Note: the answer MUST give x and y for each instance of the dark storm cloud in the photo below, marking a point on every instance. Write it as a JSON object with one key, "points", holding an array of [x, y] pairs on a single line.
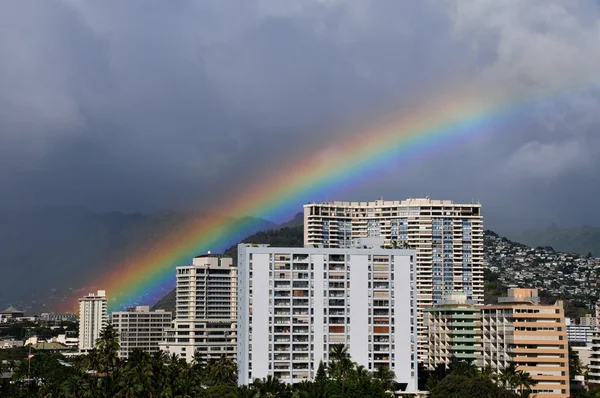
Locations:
{"points": [[138, 105]]}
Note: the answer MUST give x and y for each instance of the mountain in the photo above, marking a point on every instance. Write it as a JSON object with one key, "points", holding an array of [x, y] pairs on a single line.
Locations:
{"points": [[49, 253], [297, 221], [582, 240], [559, 276], [282, 236]]}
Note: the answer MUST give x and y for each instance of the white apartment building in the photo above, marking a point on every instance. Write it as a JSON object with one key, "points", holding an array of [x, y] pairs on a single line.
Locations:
{"points": [[140, 328], [295, 304], [206, 309], [447, 236], [579, 335], [594, 366], [92, 319]]}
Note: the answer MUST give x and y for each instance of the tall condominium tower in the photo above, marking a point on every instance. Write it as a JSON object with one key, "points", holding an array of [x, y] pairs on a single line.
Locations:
{"points": [[140, 328], [206, 309], [92, 319], [532, 336], [447, 236], [295, 304]]}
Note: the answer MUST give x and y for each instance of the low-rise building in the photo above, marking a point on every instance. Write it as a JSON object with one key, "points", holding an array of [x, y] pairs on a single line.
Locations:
{"points": [[12, 313], [10, 343], [140, 328], [52, 317]]}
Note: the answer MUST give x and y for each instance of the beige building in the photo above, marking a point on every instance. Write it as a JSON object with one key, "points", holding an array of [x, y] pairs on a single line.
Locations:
{"points": [[532, 335], [139, 328], [454, 331], [589, 320], [448, 238], [206, 309]]}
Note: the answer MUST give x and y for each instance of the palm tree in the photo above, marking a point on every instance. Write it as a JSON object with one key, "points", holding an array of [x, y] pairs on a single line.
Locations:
{"points": [[198, 363], [269, 386], [222, 371], [523, 381], [340, 364], [107, 346], [107, 350], [321, 375], [247, 392], [75, 385], [463, 368], [575, 364], [386, 377], [507, 376]]}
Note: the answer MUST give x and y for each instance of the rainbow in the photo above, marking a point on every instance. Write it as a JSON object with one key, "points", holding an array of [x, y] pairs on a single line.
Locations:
{"points": [[418, 131]]}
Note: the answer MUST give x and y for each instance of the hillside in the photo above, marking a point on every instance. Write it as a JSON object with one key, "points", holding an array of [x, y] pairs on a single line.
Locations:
{"points": [[49, 253], [570, 277], [559, 275], [581, 240]]}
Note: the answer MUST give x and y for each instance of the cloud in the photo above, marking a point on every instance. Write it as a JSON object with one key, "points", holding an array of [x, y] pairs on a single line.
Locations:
{"points": [[548, 161], [140, 105]]}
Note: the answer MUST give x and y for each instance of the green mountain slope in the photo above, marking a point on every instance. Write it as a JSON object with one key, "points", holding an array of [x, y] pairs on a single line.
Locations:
{"points": [[285, 237]]}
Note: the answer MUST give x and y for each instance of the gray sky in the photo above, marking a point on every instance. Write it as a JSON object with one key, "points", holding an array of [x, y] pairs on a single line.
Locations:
{"points": [[144, 105]]}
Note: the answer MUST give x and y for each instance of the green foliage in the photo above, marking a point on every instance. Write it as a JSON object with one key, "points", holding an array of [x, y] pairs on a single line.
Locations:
{"points": [[463, 379], [575, 365], [458, 385], [100, 374]]}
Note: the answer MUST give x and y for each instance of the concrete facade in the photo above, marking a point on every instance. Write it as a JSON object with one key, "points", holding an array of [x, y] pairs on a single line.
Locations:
{"points": [[92, 319], [206, 310], [534, 336], [140, 328], [447, 236], [454, 330], [295, 304]]}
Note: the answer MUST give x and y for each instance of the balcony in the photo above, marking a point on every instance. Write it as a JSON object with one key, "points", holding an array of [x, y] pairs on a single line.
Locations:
{"points": [[337, 303]]}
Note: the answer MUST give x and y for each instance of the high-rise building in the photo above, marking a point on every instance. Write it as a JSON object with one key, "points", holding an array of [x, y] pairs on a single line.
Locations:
{"points": [[206, 309], [447, 236], [92, 319], [521, 330], [295, 304], [454, 328], [140, 328]]}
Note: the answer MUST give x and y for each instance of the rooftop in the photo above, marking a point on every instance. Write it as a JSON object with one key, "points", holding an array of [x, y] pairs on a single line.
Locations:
{"points": [[11, 310]]}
